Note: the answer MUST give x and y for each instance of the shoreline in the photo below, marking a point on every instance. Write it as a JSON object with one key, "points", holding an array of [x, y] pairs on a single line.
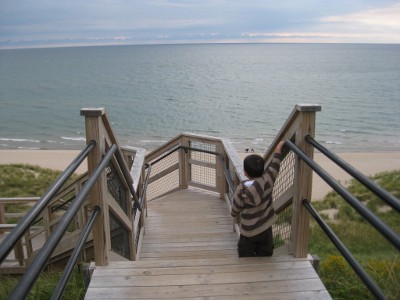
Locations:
{"points": [[368, 163]]}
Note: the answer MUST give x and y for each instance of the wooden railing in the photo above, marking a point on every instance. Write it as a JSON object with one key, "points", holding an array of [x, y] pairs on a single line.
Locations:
{"points": [[115, 193], [185, 161], [124, 219], [179, 164]]}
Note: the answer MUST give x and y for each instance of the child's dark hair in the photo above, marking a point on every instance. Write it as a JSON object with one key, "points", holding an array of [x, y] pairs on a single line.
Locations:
{"points": [[254, 165]]}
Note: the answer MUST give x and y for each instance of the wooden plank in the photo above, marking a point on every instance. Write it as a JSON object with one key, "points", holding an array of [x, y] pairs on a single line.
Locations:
{"points": [[266, 290], [150, 280], [140, 268], [166, 244], [206, 261]]}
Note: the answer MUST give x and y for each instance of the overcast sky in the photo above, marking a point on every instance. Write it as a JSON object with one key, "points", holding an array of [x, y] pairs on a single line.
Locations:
{"points": [[42, 23]]}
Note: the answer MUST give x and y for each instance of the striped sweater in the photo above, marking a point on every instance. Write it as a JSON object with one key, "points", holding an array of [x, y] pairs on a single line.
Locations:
{"points": [[253, 201]]}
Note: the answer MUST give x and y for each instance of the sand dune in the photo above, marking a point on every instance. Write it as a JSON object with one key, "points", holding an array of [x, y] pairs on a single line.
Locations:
{"points": [[366, 163]]}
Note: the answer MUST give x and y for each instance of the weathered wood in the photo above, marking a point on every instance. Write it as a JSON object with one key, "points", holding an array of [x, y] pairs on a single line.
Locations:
{"points": [[183, 165], [302, 185], [189, 251], [170, 218], [101, 227]]}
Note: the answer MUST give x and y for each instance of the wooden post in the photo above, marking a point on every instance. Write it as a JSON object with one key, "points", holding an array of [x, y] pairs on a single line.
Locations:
{"points": [[98, 194], [19, 252], [221, 183], [2, 216], [303, 179], [184, 165]]}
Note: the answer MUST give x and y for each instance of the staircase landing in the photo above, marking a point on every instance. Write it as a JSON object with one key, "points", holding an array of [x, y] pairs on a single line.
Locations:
{"points": [[189, 252]]}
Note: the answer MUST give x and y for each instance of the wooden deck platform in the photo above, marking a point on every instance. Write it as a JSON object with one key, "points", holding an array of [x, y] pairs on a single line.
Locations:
{"points": [[189, 252]]}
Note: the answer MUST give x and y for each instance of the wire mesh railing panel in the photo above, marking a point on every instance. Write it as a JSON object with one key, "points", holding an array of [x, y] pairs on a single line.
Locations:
{"points": [[203, 156], [202, 174], [119, 237], [163, 185], [282, 228], [286, 175], [116, 188], [169, 181]]}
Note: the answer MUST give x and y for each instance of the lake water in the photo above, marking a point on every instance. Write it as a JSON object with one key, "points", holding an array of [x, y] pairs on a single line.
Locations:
{"points": [[243, 92]]}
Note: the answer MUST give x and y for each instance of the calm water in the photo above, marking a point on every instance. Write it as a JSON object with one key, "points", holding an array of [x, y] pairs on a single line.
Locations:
{"points": [[242, 92]]}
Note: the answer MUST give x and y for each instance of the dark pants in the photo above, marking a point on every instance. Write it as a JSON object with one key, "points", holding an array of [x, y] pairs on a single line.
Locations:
{"points": [[259, 245]]}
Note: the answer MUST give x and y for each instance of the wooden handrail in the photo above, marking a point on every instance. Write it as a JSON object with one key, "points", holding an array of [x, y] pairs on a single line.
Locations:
{"points": [[300, 123], [98, 128]]}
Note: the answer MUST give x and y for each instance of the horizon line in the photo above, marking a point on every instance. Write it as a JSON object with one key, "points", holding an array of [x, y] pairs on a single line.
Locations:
{"points": [[72, 45]]}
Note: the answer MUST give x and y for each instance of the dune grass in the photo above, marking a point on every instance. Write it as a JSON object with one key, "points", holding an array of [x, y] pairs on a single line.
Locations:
{"points": [[21, 180], [379, 258]]}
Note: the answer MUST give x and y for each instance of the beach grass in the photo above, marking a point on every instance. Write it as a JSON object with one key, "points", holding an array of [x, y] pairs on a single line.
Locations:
{"points": [[45, 285], [379, 258], [23, 180]]}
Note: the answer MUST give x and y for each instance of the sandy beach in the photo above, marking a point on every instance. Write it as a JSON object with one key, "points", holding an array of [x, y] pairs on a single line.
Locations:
{"points": [[367, 163]]}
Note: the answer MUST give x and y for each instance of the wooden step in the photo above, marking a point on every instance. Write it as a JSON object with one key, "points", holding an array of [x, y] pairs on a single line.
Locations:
{"points": [[280, 277], [186, 225]]}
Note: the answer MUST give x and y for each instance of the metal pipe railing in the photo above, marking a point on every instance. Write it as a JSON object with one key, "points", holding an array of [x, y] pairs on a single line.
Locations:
{"points": [[32, 273], [364, 180], [145, 184], [9, 242], [345, 252], [62, 283], [382, 228]]}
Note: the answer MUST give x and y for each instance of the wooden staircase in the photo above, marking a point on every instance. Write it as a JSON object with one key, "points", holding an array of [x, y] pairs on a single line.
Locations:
{"points": [[189, 252]]}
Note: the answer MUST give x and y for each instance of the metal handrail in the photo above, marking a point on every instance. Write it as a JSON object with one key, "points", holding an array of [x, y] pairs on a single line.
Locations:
{"points": [[345, 252], [74, 256], [145, 184], [25, 284], [382, 228], [10, 241], [364, 180]]}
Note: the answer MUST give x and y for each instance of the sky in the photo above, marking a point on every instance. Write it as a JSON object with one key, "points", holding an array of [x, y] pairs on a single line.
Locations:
{"points": [[55, 23]]}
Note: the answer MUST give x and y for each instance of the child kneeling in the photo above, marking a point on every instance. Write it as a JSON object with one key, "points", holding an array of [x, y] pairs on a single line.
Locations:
{"points": [[253, 202]]}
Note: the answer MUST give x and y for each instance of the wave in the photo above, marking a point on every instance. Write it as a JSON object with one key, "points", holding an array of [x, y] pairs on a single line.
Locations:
{"points": [[73, 138], [28, 148], [152, 141], [19, 140], [333, 142]]}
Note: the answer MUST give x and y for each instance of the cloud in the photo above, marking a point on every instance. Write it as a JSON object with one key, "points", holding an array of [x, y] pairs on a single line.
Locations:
{"points": [[380, 25], [387, 18], [25, 23]]}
